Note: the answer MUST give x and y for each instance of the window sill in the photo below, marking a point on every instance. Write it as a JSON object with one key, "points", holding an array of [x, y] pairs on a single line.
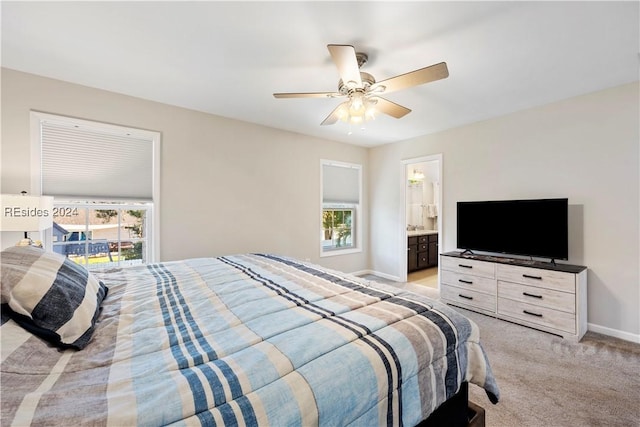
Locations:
{"points": [[336, 252]]}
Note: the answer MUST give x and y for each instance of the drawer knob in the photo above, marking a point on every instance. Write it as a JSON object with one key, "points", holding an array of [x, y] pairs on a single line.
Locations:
{"points": [[468, 282], [530, 313], [532, 277], [527, 294], [465, 266], [465, 297]]}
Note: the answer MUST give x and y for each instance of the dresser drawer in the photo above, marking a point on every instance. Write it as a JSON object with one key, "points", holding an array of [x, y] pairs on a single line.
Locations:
{"points": [[542, 297], [469, 282], [548, 279], [468, 298], [469, 266], [537, 315]]}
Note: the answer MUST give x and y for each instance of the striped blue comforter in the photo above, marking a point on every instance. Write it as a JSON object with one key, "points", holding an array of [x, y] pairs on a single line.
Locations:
{"points": [[246, 340]]}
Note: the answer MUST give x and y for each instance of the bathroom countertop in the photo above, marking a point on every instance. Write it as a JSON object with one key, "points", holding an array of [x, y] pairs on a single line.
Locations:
{"points": [[421, 232]]}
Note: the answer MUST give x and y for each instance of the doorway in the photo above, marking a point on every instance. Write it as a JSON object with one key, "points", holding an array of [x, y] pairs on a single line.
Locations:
{"points": [[421, 224]]}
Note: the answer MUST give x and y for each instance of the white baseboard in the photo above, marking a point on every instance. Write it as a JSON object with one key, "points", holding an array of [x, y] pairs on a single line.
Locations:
{"points": [[627, 336], [377, 273]]}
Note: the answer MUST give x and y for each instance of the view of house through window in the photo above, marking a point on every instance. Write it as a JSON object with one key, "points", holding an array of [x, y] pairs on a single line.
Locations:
{"points": [[101, 235]]}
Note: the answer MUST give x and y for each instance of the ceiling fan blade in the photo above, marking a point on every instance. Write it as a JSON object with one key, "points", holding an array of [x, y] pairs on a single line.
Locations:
{"points": [[414, 78], [334, 116], [391, 108], [308, 95], [345, 59]]}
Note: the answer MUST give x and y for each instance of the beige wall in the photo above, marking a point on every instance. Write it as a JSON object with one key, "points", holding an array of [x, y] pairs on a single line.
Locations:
{"points": [[226, 186], [584, 148], [226, 183]]}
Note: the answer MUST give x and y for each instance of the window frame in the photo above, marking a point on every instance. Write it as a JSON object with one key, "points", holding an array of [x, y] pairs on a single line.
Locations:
{"points": [[36, 120], [356, 225]]}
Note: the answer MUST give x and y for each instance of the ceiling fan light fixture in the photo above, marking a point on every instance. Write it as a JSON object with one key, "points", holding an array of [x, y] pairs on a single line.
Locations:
{"points": [[356, 105], [370, 111], [356, 119], [343, 112], [356, 110], [363, 92], [370, 114]]}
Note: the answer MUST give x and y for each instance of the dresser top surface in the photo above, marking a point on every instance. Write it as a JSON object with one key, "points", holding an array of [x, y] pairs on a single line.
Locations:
{"points": [[567, 268]]}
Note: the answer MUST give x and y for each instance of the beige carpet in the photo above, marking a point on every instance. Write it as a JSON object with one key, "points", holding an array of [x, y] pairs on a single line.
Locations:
{"points": [[546, 381]]}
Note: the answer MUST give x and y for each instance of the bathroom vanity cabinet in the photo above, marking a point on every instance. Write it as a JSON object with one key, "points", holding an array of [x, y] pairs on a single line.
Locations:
{"points": [[422, 250]]}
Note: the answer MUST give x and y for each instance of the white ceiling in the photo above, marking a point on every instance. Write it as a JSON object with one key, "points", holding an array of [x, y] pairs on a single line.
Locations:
{"points": [[228, 58]]}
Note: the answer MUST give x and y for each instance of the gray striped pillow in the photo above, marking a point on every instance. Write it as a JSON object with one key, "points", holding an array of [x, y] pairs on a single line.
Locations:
{"points": [[50, 295]]}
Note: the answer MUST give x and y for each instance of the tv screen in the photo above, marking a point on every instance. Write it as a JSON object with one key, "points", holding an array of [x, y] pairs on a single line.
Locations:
{"points": [[536, 227]]}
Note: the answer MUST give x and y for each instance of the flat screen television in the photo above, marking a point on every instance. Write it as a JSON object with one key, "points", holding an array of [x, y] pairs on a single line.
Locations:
{"points": [[534, 227]]}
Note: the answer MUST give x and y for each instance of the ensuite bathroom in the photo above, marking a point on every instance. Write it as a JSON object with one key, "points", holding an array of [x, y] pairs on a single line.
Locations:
{"points": [[422, 216]]}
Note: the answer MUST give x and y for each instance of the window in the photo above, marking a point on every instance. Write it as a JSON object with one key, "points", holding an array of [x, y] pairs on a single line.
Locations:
{"points": [[102, 235], [341, 194], [337, 228], [104, 180]]}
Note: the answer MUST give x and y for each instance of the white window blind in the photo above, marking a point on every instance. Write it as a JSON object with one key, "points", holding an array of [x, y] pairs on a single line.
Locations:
{"points": [[340, 184], [80, 160]]}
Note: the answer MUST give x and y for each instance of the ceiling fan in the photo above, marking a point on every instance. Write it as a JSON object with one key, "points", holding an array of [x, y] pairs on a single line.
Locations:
{"points": [[362, 91]]}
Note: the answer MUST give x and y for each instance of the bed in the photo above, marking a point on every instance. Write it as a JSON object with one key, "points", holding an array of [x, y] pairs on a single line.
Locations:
{"points": [[246, 339]]}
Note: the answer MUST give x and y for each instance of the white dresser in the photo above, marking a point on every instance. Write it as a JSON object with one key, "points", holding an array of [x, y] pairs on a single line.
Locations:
{"points": [[549, 297]]}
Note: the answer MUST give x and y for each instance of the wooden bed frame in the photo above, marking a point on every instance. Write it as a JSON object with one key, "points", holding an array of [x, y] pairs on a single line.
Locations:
{"points": [[456, 412]]}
